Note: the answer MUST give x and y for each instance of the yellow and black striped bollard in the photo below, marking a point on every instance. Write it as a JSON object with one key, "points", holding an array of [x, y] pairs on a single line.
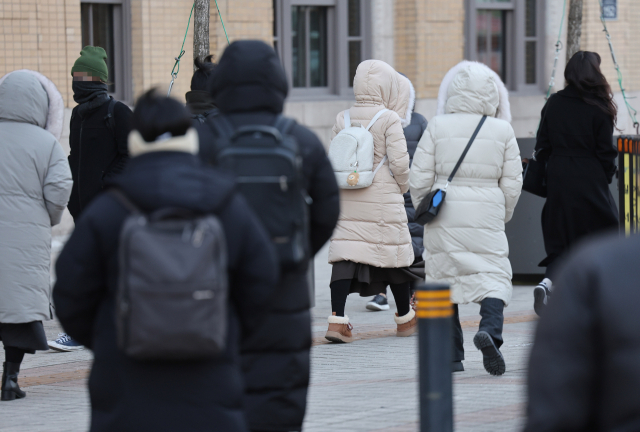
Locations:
{"points": [[435, 312]]}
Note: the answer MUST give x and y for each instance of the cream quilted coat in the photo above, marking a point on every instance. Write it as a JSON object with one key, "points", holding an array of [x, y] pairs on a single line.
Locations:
{"points": [[373, 223], [466, 246]]}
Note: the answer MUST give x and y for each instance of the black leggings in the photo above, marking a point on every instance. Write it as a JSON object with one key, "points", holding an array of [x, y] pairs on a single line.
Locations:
{"points": [[340, 291], [13, 355]]}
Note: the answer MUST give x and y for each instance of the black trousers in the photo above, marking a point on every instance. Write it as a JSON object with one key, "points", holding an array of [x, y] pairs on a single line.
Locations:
{"points": [[492, 322]]}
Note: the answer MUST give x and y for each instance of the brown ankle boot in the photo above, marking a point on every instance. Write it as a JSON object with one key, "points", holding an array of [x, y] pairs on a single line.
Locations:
{"points": [[339, 329], [407, 324]]}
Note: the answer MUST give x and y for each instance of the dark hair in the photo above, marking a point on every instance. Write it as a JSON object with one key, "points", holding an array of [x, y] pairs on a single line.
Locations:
{"points": [[583, 72], [155, 115], [204, 70]]}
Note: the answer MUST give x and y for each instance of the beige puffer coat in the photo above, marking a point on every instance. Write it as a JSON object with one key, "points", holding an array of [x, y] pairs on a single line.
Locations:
{"points": [[466, 246], [373, 223]]}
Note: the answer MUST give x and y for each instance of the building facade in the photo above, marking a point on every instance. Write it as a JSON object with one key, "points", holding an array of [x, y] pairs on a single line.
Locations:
{"points": [[321, 43]]}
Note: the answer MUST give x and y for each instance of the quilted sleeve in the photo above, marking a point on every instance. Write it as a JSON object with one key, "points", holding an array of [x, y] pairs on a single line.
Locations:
{"points": [[511, 180], [57, 184], [423, 170], [396, 145]]}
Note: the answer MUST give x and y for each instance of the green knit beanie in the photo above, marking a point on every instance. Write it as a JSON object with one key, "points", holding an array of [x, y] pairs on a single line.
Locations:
{"points": [[93, 61]]}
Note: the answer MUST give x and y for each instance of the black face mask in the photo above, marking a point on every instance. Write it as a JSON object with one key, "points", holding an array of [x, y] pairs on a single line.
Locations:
{"points": [[89, 94]]}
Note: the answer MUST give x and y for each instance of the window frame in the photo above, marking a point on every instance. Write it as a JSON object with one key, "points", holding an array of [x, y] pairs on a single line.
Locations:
{"points": [[122, 46], [515, 35], [337, 45]]}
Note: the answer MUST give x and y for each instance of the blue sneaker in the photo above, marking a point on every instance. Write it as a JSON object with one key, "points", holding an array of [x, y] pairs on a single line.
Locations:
{"points": [[65, 343]]}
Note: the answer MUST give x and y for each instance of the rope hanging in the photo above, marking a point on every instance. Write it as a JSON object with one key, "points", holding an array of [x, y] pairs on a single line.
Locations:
{"points": [[552, 82], [222, 22], [632, 111], [176, 66]]}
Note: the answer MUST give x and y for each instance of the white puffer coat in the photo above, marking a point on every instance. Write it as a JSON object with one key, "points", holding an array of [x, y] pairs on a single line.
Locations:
{"points": [[373, 223], [466, 246]]}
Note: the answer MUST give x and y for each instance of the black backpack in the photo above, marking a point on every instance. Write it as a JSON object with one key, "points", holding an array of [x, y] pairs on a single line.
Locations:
{"points": [[267, 166], [171, 301]]}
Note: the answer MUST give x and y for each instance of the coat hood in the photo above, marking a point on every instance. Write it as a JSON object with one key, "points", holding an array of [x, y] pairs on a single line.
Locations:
{"points": [[249, 77], [27, 96], [472, 87], [406, 100]]}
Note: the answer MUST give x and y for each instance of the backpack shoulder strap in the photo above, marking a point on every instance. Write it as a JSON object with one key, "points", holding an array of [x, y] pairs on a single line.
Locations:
{"points": [[284, 124], [347, 119], [124, 200], [110, 118], [376, 117]]}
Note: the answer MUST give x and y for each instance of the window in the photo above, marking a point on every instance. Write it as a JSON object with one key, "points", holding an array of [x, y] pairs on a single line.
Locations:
{"points": [[321, 43], [103, 25], [504, 35]]}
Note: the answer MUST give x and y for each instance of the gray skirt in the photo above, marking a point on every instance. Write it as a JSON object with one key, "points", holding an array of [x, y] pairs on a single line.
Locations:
{"points": [[26, 336]]}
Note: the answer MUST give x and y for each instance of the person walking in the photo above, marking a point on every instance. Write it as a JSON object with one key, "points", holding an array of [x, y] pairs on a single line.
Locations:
{"points": [[36, 184], [413, 131], [371, 246], [466, 243], [583, 370], [98, 140], [249, 88], [199, 101], [132, 395], [575, 140]]}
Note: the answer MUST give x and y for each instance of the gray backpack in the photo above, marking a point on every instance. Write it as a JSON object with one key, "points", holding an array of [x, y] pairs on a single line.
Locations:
{"points": [[171, 301]]}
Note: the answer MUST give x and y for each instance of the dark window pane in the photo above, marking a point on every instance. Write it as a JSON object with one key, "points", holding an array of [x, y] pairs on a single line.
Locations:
{"points": [[530, 18], [298, 46], [354, 18], [530, 62], [355, 57], [490, 40], [318, 46], [85, 17], [275, 15], [97, 30]]}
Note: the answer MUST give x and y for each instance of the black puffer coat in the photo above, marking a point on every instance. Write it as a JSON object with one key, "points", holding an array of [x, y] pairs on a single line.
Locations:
{"points": [[249, 86], [412, 134], [583, 372], [128, 395], [576, 139], [96, 152]]}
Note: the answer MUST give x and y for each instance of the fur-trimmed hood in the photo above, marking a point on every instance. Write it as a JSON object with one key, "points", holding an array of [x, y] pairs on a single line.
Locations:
{"points": [[405, 101], [21, 88], [472, 87]]}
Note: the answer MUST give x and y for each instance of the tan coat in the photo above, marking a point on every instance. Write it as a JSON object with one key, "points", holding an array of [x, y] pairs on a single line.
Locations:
{"points": [[373, 223]]}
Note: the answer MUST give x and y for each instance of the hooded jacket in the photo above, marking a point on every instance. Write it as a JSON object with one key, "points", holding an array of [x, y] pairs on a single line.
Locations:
{"points": [[36, 184], [373, 223], [466, 246], [249, 87], [129, 395]]}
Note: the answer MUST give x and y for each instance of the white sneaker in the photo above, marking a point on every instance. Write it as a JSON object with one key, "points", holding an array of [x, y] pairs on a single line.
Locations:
{"points": [[65, 343], [378, 303], [541, 295]]}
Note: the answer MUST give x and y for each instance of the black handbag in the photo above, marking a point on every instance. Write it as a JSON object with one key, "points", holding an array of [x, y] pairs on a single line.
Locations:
{"points": [[432, 203], [534, 177]]}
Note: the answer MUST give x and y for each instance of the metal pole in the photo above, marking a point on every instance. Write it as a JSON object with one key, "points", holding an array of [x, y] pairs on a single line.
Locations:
{"points": [[434, 312], [201, 29]]}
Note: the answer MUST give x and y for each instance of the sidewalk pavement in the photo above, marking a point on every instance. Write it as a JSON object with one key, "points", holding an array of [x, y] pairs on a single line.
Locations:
{"points": [[368, 385]]}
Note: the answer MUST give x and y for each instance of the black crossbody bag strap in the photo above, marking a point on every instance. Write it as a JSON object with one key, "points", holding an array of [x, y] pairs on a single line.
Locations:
{"points": [[466, 150]]}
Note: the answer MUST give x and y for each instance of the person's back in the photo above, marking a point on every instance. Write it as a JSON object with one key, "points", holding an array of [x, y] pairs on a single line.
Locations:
{"points": [[36, 184], [466, 243], [127, 394], [98, 131], [583, 371], [249, 88], [199, 101]]}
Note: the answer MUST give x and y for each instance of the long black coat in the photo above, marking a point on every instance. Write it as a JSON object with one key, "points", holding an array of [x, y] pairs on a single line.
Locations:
{"points": [[583, 372], [576, 139], [412, 133], [249, 86], [128, 395], [96, 152]]}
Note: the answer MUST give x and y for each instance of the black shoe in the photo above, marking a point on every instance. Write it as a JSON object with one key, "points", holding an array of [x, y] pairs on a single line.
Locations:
{"points": [[378, 303], [457, 366], [10, 389], [541, 295], [491, 355]]}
